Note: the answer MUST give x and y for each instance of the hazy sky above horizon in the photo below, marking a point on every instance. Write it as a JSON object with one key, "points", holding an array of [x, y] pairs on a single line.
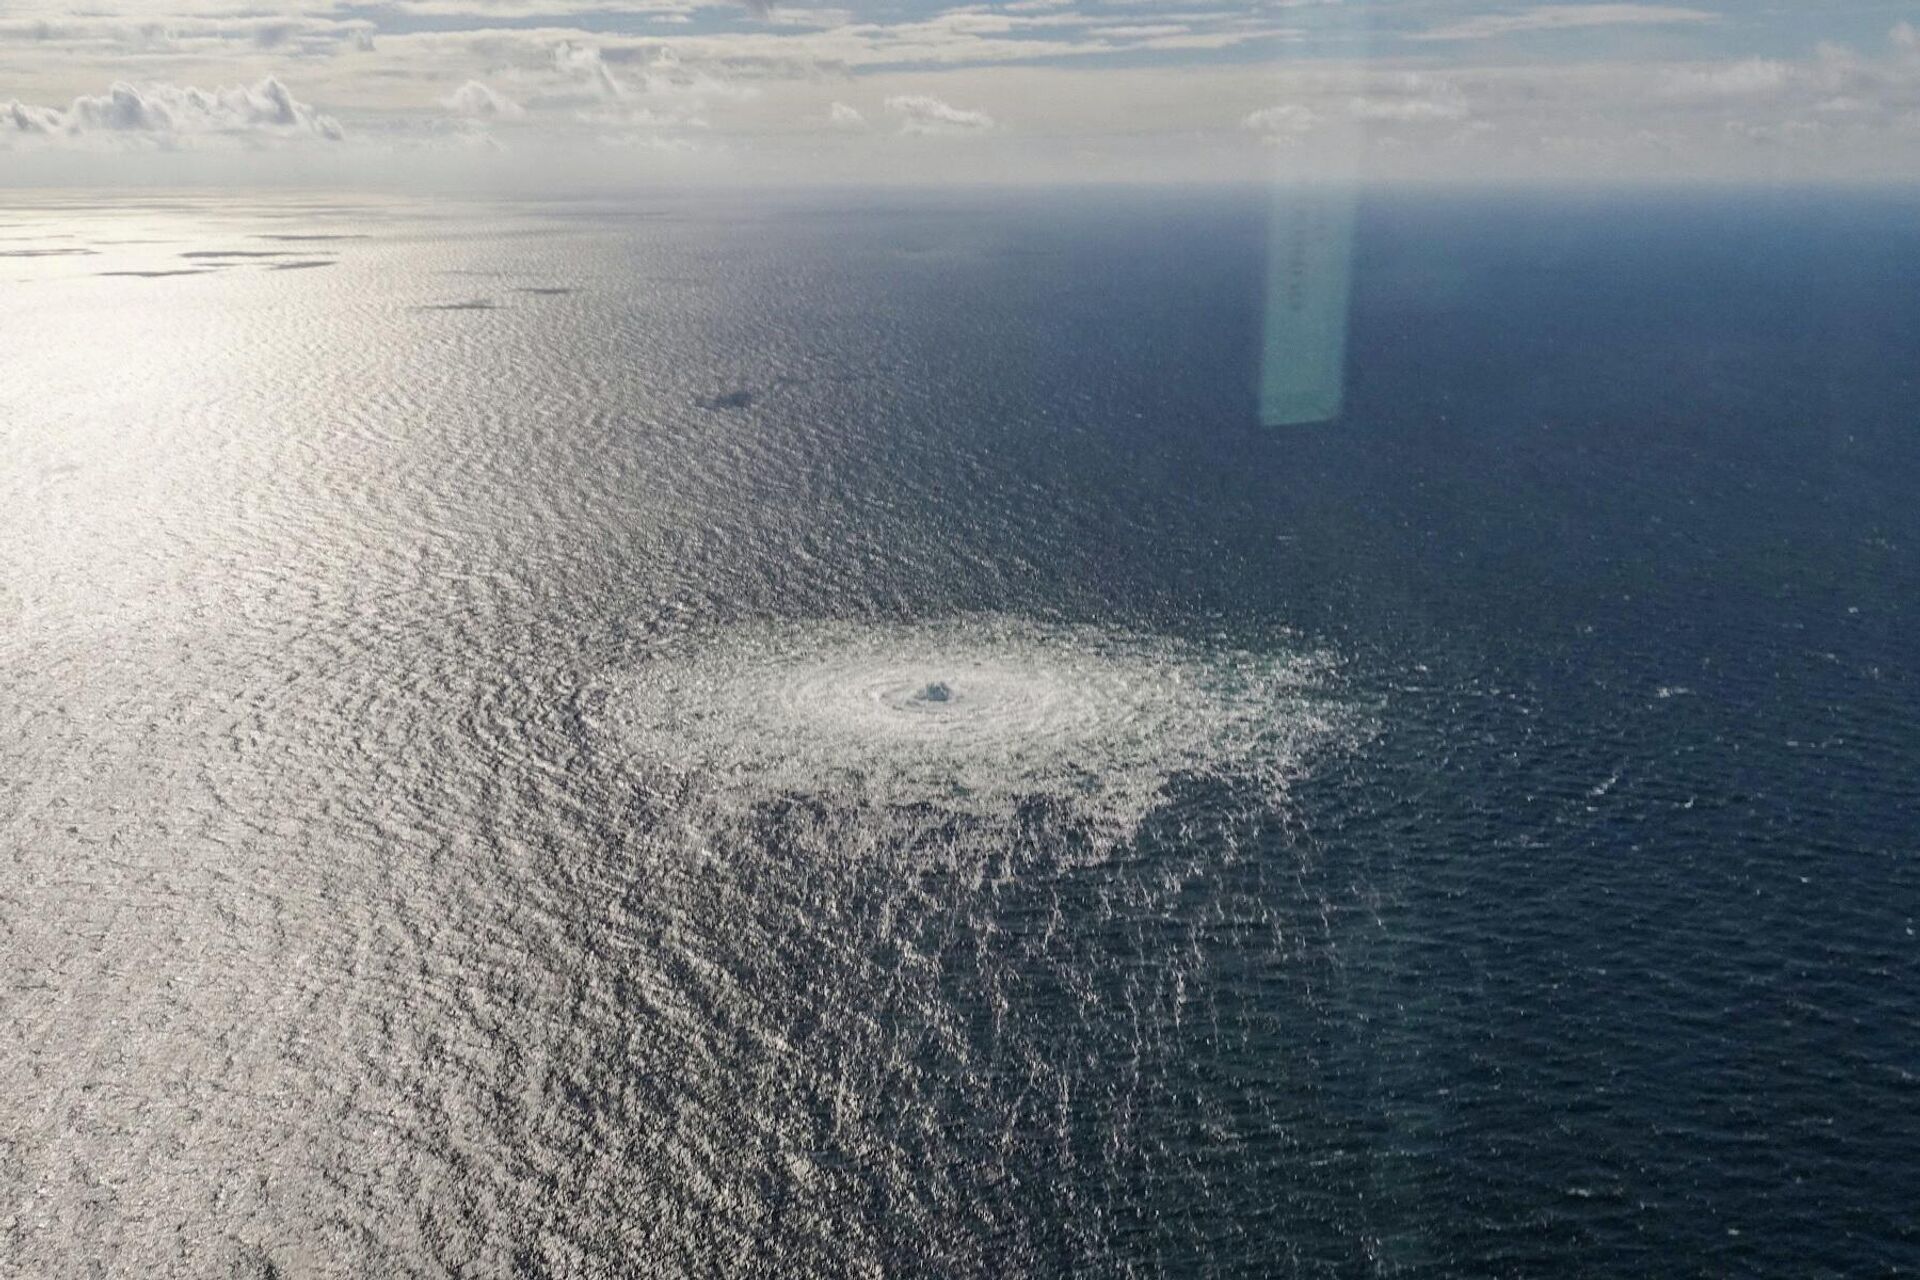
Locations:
{"points": [[520, 93]]}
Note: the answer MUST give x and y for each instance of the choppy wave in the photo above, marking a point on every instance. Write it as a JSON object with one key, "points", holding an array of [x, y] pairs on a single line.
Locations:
{"points": [[980, 718]]}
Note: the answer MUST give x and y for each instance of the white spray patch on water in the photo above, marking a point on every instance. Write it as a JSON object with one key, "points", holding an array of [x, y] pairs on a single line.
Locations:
{"points": [[973, 717]]}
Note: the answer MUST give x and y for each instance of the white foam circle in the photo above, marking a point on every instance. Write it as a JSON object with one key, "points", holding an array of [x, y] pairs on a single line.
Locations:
{"points": [[974, 716]]}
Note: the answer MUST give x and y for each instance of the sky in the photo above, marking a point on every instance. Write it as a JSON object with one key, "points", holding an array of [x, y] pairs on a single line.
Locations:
{"points": [[536, 94]]}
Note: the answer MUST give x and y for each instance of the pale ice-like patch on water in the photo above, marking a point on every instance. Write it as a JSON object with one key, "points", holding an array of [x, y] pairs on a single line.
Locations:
{"points": [[973, 717]]}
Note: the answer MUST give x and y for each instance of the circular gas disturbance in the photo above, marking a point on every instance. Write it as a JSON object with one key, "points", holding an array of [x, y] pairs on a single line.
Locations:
{"points": [[974, 716]]}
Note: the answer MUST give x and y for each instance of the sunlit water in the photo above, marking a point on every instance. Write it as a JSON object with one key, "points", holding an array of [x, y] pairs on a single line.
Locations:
{"points": [[816, 739]]}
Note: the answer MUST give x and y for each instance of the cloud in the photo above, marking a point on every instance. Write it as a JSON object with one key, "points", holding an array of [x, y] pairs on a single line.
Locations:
{"points": [[668, 75], [1283, 123], [658, 96], [922, 114], [482, 103], [1750, 77], [18, 118], [1836, 111], [654, 81], [1407, 110], [169, 115], [1077, 89], [584, 62], [1835, 82], [1413, 99], [1564, 17], [81, 34]]}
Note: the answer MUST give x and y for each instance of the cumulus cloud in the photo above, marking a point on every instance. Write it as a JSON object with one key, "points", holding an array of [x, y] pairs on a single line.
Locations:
{"points": [[482, 103], [1413, 99], [922, 114], [657, 94], [1407, 110], [728, 82], [655, 85], [171, 115], [1283, 123], [18, 118], [1564, 17], [584, 62], [1788, 99], [1404, 100], [668, 75], [1834, 111], [1750, 77]]}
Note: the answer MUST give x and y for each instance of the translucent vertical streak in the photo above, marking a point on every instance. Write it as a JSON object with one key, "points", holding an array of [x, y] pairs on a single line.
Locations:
{"points": [[1310, 252]]}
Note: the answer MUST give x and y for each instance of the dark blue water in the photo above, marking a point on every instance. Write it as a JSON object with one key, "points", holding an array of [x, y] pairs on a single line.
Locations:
{"points": [[350, 933], [1622, 520]]}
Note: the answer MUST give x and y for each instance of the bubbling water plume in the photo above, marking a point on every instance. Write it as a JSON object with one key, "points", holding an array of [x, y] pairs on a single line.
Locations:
{"points": [[975, 720]]}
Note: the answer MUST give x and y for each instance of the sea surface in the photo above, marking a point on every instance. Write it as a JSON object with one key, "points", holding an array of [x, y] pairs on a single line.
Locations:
{"points": [[816, 736]]}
